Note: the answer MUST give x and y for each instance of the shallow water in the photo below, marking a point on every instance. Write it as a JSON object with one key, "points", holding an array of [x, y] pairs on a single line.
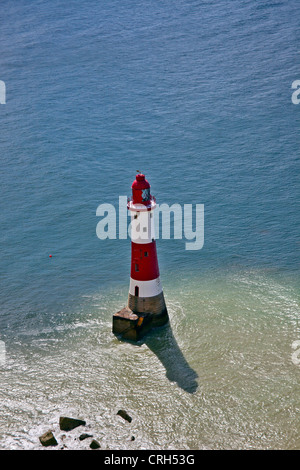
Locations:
{"points": [[219, 376]]}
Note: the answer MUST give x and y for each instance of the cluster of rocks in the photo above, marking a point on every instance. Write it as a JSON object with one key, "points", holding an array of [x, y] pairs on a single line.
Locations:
{"points": [[68, 424]]}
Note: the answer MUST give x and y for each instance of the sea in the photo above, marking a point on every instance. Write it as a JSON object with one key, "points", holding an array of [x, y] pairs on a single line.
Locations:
{"points": [[200, 97]]}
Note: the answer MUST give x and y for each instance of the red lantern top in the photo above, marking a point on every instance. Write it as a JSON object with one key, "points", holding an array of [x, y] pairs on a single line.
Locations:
{"points": [[140, 182], [141, 192]]}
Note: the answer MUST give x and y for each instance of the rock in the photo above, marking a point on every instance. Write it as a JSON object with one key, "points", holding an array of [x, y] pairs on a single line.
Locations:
{"points": [[94, 444], [67, 424], [124, 324], [124, 415], [84, 436], [48, 439]]}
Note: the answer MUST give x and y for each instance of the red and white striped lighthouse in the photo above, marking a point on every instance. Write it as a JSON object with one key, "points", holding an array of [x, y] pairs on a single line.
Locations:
{"points": [[146, 303], [145, 290]]}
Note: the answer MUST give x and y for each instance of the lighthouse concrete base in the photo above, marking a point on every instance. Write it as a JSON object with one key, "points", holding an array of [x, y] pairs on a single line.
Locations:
{"points": [[134, 325], [131, 326], [156, 305]]}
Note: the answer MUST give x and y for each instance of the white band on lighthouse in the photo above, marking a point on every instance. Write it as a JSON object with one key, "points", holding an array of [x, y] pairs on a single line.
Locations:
{"points": [[145, 288], [142, 227]]}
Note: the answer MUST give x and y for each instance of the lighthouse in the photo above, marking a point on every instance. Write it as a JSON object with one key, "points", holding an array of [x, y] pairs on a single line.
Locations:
{"points": [[146, 304]]}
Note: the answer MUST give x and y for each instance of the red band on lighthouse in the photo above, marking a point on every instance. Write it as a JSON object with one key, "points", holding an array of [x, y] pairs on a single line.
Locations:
{"points": [[144, 264]]}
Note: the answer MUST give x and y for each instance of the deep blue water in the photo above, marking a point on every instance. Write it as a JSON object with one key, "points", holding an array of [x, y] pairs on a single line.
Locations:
{"points": [[195, 94]]}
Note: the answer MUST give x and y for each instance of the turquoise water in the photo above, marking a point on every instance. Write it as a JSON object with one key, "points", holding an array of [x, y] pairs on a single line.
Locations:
{"points": [[198, 96]]}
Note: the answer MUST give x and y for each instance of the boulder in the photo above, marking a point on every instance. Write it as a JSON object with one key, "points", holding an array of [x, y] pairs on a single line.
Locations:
{"points": [[94, 444], [124, 415], [84, 436], [67, 424], [48, 439]]}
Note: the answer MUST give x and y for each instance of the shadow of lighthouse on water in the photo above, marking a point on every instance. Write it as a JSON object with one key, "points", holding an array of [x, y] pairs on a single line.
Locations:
{"points": [[163, 344], [165, 347]]}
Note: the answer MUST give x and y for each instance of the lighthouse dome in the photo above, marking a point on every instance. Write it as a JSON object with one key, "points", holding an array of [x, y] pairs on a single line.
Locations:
{"points": [[140, 182], [141, 190]]}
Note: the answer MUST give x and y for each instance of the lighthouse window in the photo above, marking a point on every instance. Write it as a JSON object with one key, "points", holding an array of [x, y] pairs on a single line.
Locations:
{"points": [[146, 253], [146, 194], [136, 267], [136, 291]]}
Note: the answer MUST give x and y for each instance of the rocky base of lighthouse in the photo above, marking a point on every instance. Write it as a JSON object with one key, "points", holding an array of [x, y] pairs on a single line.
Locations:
{"points": [[134, 325], [156, 305]]}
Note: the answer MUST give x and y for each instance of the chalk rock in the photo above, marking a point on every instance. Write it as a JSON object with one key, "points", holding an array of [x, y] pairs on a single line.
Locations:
{"points": [[84, 436], [48, 439], [67, 424], [124, 415], [94, 444]]}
